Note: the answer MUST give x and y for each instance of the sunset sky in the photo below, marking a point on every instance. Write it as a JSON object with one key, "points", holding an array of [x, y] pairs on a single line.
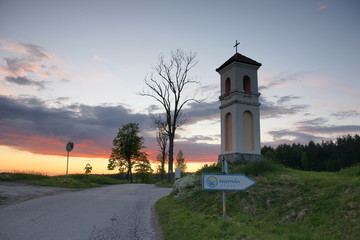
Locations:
{"points": [[73, 70]]}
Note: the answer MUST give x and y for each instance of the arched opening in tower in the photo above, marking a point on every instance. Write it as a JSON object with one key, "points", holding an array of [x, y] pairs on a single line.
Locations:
{"points": [[248, 131], [247, 85], [228, 132], [227, 87]]}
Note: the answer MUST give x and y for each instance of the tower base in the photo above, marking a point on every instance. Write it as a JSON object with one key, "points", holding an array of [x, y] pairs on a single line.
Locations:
{"points": [[240, 157]]}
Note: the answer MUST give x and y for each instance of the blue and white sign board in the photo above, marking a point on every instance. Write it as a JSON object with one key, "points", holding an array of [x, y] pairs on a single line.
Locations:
{"points": [[226, 182]]}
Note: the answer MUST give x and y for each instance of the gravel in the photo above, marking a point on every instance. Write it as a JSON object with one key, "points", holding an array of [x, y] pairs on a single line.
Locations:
{"points": [[12, 193]]}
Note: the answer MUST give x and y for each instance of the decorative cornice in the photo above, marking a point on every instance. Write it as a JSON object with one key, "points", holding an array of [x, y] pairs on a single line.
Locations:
{"points": [[237, 92], [237, 101]]}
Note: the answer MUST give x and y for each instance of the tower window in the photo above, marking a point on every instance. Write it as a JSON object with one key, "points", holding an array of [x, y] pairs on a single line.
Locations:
{"points": [[227, 87], [247, 85]]}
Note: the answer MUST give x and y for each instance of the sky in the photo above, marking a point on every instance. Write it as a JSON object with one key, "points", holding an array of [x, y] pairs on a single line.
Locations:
{"points": [[73, 71]]}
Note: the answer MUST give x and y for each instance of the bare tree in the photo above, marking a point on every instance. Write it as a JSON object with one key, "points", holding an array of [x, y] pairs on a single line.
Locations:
{"points": [[168, 87], [162, 140]]}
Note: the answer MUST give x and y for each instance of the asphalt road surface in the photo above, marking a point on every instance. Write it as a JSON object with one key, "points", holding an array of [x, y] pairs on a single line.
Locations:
{"points": [[112, 212]]}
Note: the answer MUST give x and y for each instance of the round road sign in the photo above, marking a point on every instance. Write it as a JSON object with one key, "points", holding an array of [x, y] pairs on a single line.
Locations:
{"points": [[69, 146]]}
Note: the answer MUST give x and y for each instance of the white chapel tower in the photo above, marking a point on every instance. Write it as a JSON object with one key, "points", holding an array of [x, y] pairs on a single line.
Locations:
{"points": [[240, 117]]}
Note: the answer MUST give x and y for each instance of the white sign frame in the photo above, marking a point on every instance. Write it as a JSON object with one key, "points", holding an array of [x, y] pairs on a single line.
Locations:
{"points": [[226, 182]]}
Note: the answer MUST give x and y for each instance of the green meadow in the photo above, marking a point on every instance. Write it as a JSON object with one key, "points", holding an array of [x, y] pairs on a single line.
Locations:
{"points": [[284, 204], [72, 181]]}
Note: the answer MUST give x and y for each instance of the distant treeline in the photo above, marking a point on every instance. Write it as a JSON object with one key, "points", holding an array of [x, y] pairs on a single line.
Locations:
{"points": [[327, 156]]}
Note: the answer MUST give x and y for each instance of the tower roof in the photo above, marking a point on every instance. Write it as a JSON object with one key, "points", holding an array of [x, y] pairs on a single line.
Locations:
{"points": [[238, 58]]}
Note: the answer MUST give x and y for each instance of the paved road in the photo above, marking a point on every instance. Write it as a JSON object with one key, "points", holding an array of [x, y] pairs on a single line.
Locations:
{"points": [[111, 212]]}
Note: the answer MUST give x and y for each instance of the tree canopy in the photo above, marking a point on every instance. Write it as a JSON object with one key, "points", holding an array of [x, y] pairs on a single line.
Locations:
{"points": [[180, 161], [325, 156], [126, 149]]}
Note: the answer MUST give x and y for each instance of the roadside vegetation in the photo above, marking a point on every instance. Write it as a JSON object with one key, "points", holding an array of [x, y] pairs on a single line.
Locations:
{"points": [[284, 204], [72, 181], [325, 156]]}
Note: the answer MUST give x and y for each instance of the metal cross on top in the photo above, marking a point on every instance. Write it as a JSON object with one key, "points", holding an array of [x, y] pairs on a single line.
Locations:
{"points": [[236, 45]]}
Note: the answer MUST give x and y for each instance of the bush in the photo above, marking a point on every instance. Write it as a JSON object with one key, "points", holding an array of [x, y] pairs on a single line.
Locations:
{"points": [[144, 177], [254, 168], [214, 168], [22, 176], [188, 182]]}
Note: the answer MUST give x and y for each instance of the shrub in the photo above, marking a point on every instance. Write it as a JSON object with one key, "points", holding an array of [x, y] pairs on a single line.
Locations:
{"points": [[188, 182], [214, 168]]}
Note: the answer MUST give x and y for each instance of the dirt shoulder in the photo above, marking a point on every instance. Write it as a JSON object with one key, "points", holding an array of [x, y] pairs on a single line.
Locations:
{"points": [[12, 193]]}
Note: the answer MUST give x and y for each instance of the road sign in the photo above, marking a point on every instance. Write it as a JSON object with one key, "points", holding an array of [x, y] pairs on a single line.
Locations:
{"points": [[226, 182], [69, 146], [177, 172]]}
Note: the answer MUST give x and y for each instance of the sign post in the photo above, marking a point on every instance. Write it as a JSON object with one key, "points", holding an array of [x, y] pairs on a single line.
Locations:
{"points": [[226, 182], [69, 147], [225, 170]]}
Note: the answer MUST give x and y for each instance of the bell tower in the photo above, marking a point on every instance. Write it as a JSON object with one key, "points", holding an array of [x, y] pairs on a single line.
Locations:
{"points": [[240, 115]]}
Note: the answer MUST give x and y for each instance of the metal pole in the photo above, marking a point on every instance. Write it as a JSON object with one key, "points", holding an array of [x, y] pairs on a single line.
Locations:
{"points": [[225, 171], [224, 206], [67, 166]]}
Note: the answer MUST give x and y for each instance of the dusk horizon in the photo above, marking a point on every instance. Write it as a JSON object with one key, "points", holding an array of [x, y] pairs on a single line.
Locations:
{"points": [[74, 71]]}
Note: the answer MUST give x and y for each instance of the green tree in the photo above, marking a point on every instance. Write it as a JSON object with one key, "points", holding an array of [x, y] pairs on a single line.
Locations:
{"points": [[143, 169], [88, 168], [180, 161], [304, 161], [126, 149]]}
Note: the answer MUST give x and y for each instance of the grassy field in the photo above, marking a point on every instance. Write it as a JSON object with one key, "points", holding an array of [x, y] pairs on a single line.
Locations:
{"points": [[284, 204], [73, 181]]}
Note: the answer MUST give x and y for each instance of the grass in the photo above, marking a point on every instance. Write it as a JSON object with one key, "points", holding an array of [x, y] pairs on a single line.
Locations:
{"points": [[284, 204], [72, 181], [165, 184]]}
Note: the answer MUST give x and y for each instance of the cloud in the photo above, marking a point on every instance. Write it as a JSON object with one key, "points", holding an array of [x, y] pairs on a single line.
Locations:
{"points": [[331, 129], [202, 138], [24, 81], [154, 108], [319, 126], [280, 80], [44, 126], [28, 51], [269, 109], [28, 123], [322, 6], [316, 121], [285, 99], [346, 114], [18, 67], [29, 61], [196, 112], [97, 59], [315, 129], [291, 136]]}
